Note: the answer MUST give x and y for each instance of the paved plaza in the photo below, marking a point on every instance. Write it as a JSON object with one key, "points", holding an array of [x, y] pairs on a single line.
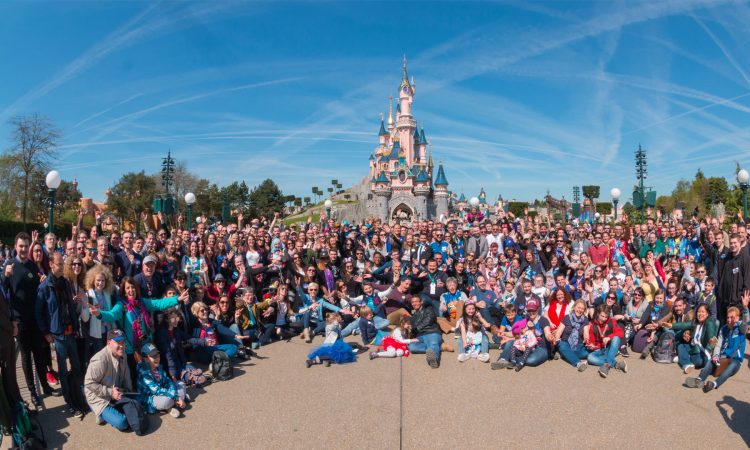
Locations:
{"points": [[278, 403]]}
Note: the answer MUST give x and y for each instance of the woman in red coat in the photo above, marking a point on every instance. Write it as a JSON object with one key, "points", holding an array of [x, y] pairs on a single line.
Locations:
{"points": [[603, 338]]}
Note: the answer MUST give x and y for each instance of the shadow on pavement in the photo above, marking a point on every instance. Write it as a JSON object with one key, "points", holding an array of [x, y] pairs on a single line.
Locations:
{"points": [[53, 420], [739, 421]]}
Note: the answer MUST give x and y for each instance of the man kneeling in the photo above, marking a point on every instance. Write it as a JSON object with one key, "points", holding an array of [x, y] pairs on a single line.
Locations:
{"points": [[108, 387]]}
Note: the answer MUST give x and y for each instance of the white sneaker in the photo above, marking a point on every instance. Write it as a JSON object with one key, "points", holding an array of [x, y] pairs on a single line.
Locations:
{"points": [[174, 412], [675, 359], [688, 368], [484, 357], [463, 357]]}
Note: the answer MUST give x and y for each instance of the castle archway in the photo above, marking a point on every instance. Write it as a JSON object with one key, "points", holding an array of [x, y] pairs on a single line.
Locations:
{"points": [[402, 213]]}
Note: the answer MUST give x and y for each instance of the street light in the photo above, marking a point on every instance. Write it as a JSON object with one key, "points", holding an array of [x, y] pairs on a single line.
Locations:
{"points": [[743, 177], [615, 198], [189, 200], [596, 217], [53, 182], [328, 203]]}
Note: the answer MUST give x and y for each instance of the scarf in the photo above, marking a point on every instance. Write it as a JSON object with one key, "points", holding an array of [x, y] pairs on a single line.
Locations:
{"points": [[576, 324], [554, 317], [140, 320]]}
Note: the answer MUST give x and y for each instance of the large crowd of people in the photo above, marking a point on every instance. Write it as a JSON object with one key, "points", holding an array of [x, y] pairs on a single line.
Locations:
{"points": [[136, 319]]}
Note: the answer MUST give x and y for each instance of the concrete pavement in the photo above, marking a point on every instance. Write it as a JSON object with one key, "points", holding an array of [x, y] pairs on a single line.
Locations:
{"points": [[278, 403]]}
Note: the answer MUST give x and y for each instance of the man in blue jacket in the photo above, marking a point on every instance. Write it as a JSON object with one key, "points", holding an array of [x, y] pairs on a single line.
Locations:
{"points": [[57, 319]]}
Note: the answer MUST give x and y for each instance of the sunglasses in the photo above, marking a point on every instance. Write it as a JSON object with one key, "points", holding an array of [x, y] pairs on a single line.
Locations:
{"points": [[76, 264]]}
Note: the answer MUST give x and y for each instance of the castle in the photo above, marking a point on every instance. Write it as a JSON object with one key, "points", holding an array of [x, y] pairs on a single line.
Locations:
{"points": [[400, 185]]}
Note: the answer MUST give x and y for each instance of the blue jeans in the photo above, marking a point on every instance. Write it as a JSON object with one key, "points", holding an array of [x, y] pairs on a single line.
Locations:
{"points": [[684, 357], [380, 324], [115, 418], [65, 348], [204, 354], [537, 356], [570, 354], [605, 355], [485, 344], [432, 340], [732, 368]]}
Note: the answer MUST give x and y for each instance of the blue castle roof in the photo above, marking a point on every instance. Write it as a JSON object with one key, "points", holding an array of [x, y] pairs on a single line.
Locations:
{"points": [[441, 180], [381, 178], [382, 129], [422, 177]]}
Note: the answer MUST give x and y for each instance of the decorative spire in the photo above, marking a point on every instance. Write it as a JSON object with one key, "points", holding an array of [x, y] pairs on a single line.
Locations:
{"points": [[382, 131], [404, 76], [430, 163], [422, 139], [441, 180]]}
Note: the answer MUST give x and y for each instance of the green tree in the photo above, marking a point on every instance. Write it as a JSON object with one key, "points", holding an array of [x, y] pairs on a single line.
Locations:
{"points": [[604, 208], [34, 141], [131, 196], [517, 208], [266, 199], [238, 195]]}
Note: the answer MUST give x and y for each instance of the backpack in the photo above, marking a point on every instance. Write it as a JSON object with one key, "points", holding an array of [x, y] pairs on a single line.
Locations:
{"points": [[221, 366], [664, 351], [27, 432], [134, 414]]}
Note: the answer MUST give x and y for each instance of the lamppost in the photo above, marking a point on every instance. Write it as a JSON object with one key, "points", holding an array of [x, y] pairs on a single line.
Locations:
{"points": [[189, 200], [328, 203], [615, 199], [53, 182], [596, 217], [743, 177]]}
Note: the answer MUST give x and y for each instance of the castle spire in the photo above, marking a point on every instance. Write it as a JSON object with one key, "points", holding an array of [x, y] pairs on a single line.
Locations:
{"points": [[382, 131], [404, 76], [430, 163]]}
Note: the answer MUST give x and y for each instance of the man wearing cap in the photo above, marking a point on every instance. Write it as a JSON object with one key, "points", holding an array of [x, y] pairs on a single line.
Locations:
{"points": [[150, 281], [541, 327], [107, 379]]}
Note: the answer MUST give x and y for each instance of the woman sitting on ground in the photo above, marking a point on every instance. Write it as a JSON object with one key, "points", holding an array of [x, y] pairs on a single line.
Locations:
{"points": [[697, 344], [571, 338], [473, 323], [212, 336], [603, 337]]}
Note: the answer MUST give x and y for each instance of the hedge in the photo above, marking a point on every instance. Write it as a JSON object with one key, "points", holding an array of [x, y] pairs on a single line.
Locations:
{"points": [[9, 229]]}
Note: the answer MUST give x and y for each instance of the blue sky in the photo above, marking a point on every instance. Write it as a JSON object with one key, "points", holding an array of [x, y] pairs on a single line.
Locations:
{"points": [[517, 97]]}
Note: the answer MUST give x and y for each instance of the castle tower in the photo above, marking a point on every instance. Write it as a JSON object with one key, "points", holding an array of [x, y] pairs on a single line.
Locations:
{"points": [[405, 124], [382, 193], [441, 192]]}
